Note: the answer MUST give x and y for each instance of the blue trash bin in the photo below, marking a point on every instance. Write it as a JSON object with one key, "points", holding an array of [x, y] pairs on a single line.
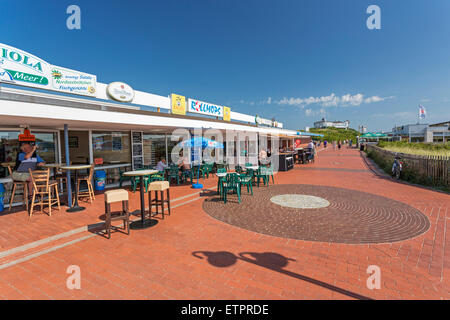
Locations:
{"points": [[2, 196], [100, 180]]}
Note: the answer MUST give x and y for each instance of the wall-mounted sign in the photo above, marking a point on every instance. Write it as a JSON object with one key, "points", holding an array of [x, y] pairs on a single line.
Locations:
{"points": [[226, 114], [120, 91], [178, 104], [258, 120], [197, 106], [21, 68]]}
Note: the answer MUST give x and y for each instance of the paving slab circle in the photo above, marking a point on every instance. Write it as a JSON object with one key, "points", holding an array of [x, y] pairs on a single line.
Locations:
{"points": [[340, 216]]}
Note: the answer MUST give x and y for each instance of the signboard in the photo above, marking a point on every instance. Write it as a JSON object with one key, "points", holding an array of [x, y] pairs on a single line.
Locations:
{"points": [[120, 91], [137, 149], [21, 68], [226, 114], [197, 106], [178, 104]]}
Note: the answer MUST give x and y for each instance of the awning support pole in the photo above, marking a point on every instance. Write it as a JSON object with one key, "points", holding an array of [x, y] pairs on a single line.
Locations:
{"points": [[66, 147]]}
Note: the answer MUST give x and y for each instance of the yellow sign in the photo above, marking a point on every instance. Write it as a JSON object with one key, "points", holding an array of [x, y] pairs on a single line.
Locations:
{"points": [[178, 104], [226, 114]]}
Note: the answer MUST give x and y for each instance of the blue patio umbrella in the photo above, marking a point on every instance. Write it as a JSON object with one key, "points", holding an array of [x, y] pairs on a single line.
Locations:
{"points": [[203, 143]]}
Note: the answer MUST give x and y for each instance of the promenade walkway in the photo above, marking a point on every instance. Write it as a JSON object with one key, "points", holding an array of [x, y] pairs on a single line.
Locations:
{"points": [[207, 251]]}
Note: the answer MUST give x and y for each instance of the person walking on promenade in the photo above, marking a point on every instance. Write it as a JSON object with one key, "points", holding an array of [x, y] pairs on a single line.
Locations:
{"points": [[325, 144], [334, 144], [339, 144]]}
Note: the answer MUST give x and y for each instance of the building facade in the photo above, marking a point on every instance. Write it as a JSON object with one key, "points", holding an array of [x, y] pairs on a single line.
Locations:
{"points": [[434, 133], [323, 124]]}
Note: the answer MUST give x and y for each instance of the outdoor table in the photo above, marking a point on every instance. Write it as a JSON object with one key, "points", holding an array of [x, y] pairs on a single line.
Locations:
{"points": [[54, 166], [75, 207], [143, 223], [252, 167]]}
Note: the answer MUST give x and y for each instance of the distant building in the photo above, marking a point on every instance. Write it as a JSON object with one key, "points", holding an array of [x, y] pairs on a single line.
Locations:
{"points": [[428, 133], [323, 124]]}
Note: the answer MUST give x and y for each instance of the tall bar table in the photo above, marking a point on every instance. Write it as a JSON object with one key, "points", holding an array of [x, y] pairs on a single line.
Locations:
{"points": [[76, 168], [143, 223]]}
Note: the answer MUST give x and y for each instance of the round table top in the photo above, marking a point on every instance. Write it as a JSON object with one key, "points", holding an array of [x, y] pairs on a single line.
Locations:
{"points": [[252, 167], [221, 174], [52, 165], [140, 173], [76, 167]]}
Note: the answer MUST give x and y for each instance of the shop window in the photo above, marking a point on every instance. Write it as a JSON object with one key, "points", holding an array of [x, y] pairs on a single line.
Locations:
{"points": [[112, 147], [9, 147], [154, 148]]}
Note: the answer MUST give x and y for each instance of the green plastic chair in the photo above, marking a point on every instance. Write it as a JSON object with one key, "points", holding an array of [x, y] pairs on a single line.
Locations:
{"points": [[246, 180], [124, 178], [220, 179], [207, 169], [262, 174], [231, 184], [238, 169], [189, 174], [173, 173], [269, 173]]}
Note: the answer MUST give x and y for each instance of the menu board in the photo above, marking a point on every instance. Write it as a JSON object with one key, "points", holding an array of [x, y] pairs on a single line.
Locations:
{"points": [[137, 147]]}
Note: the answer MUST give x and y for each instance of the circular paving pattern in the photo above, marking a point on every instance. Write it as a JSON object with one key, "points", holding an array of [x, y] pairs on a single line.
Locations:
{"points": [[351, 217], [300, 201]]}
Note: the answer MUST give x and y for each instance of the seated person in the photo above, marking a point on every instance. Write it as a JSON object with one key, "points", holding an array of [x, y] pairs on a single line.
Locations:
{"points": [[161, 166], [27, 155]]}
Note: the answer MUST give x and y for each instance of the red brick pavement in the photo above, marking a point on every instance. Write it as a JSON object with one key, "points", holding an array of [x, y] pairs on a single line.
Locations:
{"points": [[190, 255]]}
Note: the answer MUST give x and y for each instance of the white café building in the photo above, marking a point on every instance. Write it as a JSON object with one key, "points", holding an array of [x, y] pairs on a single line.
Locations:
{"points": [[101, 120]]}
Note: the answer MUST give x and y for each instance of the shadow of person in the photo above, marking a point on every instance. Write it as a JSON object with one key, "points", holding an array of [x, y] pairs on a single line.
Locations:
{"points": [[220, 259], [266, 259]]}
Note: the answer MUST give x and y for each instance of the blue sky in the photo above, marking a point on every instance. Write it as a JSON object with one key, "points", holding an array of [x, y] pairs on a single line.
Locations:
{"points": [[295, 60]]}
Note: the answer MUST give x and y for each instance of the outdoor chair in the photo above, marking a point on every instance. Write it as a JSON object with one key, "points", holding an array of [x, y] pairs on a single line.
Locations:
{"points": [[187, 174], [207, 169], [119, 195], [24, 185], [246, 180], [174, 173], [90, 189], [231, 184], [269, 173], [43, 187], [124, 178], [238, 169], [261, 174]]}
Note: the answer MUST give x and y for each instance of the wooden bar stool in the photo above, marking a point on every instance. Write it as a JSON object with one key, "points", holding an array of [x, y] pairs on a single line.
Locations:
{"points": [[116, 196], [44, 187], [158, 186], [16, 183], [89, 193]]}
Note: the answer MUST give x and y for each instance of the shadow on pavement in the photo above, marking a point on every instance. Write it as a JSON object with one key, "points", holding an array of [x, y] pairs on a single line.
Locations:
{"points": [[269, 260]]}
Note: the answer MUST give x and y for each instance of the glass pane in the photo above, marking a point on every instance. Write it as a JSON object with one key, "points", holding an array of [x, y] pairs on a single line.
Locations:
{"points": [[9, 147], [46, 143], [154, 148], [112, 147]]}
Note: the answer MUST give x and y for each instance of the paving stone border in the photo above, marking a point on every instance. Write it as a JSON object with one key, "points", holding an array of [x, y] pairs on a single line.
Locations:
{"points": [[353, 217]]}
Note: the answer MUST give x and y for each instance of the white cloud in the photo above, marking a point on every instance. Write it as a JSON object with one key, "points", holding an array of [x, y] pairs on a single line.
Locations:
{"points": [[332, 100]]}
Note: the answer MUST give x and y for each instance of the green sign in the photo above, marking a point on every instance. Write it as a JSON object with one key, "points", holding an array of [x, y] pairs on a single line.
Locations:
{"points": [[27, 77]]}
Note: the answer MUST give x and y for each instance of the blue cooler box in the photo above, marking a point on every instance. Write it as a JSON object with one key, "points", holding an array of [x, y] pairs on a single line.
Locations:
{"points": [[100, 180], [2, 196]]}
